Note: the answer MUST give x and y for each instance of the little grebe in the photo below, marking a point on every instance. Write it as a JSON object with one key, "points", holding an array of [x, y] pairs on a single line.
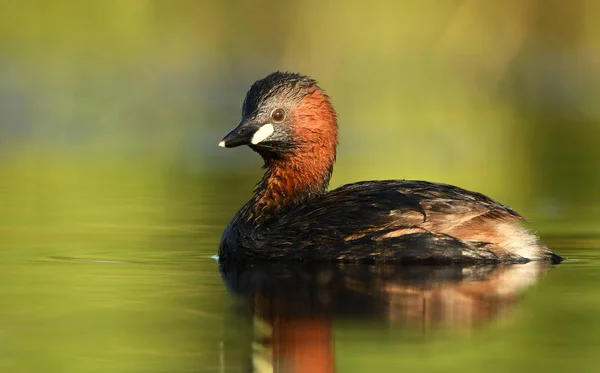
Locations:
{"points": [[290, 122]]}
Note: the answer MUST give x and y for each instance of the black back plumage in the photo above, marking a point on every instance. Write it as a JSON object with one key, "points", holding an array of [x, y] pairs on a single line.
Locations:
{"points": [[326, 227]]}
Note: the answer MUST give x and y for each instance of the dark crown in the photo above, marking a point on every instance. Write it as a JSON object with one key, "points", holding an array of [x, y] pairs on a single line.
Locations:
{"points": [[280, 85]]}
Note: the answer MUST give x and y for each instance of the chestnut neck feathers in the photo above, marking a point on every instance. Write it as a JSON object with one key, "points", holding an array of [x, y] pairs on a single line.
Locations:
{"points": [[300, 167]]}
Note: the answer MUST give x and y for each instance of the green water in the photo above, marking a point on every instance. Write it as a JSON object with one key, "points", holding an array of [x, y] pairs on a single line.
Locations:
{"points": [[123, 280]]}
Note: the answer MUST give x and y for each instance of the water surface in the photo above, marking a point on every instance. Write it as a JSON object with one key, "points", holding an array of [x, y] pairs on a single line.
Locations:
{"points": [[88, 292]]}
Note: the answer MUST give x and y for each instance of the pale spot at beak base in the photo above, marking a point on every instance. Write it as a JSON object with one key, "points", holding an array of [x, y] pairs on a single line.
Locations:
{"points": [[262, 134], [222, 144]]}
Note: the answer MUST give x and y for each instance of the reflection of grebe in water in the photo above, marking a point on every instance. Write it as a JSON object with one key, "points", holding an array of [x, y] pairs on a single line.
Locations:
{"points": [[294, 305], [290, 122]]}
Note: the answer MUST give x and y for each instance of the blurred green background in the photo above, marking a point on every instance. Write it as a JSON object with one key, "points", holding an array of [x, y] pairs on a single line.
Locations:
{"points": [[113, 193]]}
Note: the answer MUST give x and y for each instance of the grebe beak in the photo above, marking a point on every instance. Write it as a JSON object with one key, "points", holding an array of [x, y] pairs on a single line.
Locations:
{"points": [[246, 133]]}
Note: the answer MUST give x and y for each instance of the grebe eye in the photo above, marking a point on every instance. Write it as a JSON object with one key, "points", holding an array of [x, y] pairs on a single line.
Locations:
{"points": [[278, 115]]}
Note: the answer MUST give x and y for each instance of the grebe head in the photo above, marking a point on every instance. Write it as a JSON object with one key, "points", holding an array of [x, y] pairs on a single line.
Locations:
{"points": [[286, 114]]}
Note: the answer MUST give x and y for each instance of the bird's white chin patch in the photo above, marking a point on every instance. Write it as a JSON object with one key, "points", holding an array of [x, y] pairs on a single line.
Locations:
{"points": [[262, 134]]}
